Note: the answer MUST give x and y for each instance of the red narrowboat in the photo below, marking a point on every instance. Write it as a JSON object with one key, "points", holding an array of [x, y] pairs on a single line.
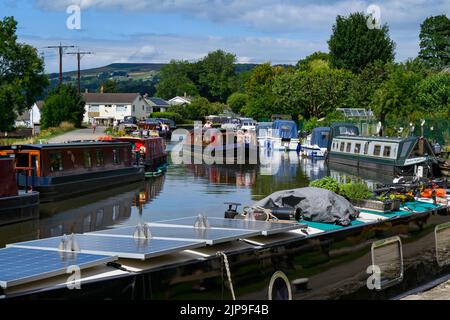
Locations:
{"points": [[15, 205], [60, 171]]}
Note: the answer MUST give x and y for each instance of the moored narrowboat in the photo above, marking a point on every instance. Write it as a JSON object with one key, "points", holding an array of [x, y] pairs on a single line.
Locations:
{"points": [[147, 151], [283, 135], [15, 205], [59, 171], [395, 156], [378, 256], [316, 144]]}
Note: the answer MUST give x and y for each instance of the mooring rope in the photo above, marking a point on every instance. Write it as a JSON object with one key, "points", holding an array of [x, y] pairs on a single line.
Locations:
{"points": [[227, 268]]}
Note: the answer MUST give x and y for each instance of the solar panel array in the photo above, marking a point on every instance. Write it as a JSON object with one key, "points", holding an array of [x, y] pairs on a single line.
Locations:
{"points": [[19, 265], [263, 227], [122, 247], [175, 232]]}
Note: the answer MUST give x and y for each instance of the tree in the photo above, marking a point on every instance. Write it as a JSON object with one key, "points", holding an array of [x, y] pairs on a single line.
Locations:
{"points": [[176, 79], [433, 94], [261, 102], [64, 103], [394, 99], [313, 93], [197, 109], [109, 86], [435, 41], [217, 75], [353, 45], [22, 77], [237, 101], [304, 64]]}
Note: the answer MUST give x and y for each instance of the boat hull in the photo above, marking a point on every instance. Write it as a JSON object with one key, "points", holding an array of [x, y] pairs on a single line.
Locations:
{"points": [[63, 187], [332, 265], [22, 207], [279, 144]]}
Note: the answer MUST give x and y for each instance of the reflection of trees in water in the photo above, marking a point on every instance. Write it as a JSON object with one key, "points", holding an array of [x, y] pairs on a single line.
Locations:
{"points": [[238, 175], [289, 174]]}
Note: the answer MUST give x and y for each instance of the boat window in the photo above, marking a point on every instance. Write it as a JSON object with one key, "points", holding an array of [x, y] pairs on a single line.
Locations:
{"points": [[22, 160], [342, 146], [349, 146], [87, 159], [405, 148], [56, 163], [116, 156], [357, 147], [366, 148], [99, 157], [387, 151], [387, 259], [377, 150]]}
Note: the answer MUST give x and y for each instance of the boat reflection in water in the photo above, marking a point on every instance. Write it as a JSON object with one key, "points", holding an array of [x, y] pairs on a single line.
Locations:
{"points": [[239, 175], [89, 213]]}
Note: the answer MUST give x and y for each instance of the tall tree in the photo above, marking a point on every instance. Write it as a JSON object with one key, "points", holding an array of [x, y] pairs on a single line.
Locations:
{"points": [[176, 79], [353, 45], [435, 41], [395, 97], [22, 77], [217, 75], [433, 94], [237, 101], [64, 103], [109, 86]]}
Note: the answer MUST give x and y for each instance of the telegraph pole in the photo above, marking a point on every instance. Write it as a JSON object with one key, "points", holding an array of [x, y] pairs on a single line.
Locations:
{"points": [[79, 56], [61, 52]]}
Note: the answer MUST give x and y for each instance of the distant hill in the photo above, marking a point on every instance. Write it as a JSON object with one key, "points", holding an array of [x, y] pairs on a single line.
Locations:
{"points": [[130, 77]]}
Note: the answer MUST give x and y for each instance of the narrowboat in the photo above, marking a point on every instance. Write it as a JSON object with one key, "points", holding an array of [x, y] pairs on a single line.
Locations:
{"points": [[147, 151], [316, 144], [219, 146], [394, 156], [283, 135], [15, 205], [378, 256], [61, 171]]}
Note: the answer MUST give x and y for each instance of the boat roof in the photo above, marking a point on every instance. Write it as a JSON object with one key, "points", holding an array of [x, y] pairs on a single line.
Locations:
{"points": [[62, 145], [376, 138]]}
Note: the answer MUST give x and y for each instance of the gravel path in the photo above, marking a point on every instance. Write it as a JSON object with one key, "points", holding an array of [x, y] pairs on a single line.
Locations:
{"points": [[80, 134]]}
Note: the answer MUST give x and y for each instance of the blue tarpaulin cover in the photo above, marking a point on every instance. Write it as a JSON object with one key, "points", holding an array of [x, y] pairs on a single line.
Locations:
{"points": [[285, 129], [320, 136]]}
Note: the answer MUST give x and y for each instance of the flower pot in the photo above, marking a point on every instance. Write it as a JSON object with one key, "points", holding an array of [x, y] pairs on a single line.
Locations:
{"points": [[377, 205]]}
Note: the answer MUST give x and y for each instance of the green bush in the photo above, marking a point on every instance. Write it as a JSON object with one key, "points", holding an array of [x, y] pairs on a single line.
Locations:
{"points": [[168, 115], [326, 183], [355, 191]]}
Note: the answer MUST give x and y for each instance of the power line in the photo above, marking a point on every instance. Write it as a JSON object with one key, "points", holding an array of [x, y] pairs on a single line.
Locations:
{"points": [[79, 55], [61, 52]]}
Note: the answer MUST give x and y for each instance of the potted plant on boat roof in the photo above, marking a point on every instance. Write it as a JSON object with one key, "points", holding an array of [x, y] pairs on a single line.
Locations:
{"points": [[361, 196]]}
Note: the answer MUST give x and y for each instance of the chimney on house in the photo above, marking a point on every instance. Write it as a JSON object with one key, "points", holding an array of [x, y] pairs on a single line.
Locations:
{"points": [[185, 95], [101, 89]]}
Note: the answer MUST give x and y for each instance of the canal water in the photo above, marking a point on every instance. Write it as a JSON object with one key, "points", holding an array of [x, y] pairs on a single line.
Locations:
{"points": [[184, 190]]}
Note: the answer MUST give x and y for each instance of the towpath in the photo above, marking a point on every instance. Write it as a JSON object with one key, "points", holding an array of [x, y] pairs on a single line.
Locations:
{"points": [[80, 134]]}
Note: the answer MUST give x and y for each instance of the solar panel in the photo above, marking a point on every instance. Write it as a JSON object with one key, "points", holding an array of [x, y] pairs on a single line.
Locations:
{"points": [[210, 235], [19, 266], [122, 247], [264, 227]]}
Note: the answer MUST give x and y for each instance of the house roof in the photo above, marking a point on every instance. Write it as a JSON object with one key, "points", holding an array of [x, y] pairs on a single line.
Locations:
{"points": [[157, 102], [112, 98], [24, 116], [40, 104], [186, 99]]}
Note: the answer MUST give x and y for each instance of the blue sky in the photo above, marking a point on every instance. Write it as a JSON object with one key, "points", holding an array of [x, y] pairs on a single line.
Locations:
{"points": [[279, 31]]}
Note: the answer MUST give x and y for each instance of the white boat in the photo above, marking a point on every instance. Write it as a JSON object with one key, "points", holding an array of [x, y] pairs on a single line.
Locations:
{"points": [[316, 144], [282, 135]]}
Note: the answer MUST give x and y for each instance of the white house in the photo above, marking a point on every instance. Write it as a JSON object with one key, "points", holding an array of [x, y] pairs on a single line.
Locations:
{"points": [[107, 107], [31, 117], [157, 104], [179, 101]]}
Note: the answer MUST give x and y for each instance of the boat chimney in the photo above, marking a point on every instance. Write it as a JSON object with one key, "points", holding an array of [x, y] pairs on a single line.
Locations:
{"points": [[101, 89], [86, 90]]}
